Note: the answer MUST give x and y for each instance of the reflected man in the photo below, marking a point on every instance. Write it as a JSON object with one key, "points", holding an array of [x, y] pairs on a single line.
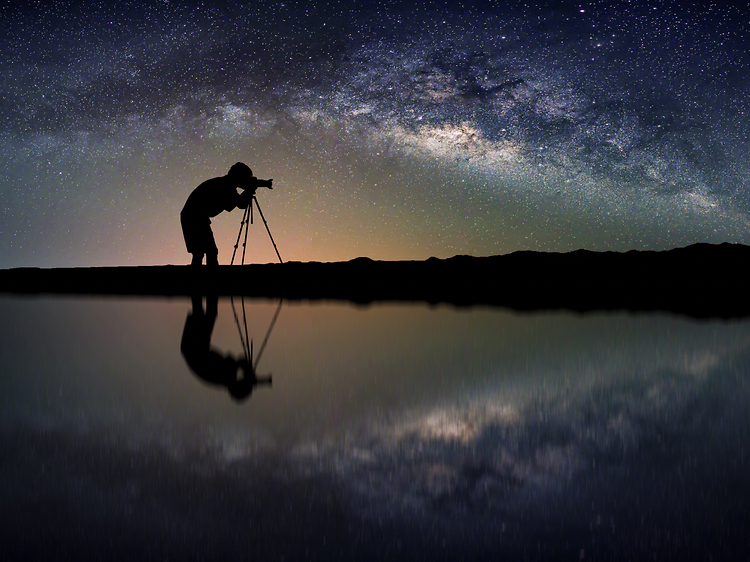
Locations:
{"points": [[206, 362]]}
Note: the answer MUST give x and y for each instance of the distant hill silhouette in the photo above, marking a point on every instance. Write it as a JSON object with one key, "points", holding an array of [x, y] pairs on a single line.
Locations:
{"points": [[701, 280]]}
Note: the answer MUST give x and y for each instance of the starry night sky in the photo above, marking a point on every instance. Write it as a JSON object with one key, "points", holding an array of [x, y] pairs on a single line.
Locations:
{"points": [[394, 130]]}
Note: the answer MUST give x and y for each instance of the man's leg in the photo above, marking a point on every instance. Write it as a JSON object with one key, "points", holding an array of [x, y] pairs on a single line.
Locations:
{"points": [[193, 231], [212, 251]]}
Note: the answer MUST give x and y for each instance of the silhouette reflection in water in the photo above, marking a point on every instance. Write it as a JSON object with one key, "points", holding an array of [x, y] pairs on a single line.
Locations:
{"points": [[238, 375]]}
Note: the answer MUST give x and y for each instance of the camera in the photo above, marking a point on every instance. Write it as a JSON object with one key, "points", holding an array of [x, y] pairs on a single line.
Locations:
{"points": [[255, 183]]}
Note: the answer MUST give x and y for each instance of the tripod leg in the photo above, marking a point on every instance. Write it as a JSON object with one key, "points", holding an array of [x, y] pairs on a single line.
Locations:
{"points": [[245, 348], [268, 333], [242, 224], [268, 229], [247, 227]]}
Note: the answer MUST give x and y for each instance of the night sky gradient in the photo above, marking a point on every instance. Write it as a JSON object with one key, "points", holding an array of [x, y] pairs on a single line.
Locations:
{"points": [[394, 130]]}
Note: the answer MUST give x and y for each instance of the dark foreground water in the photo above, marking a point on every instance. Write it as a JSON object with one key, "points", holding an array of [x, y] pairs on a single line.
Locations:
{"points": [[389, 432]]}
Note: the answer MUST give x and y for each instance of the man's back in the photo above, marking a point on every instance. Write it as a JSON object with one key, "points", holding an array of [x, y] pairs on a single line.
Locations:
{"points": [[211, 198]]}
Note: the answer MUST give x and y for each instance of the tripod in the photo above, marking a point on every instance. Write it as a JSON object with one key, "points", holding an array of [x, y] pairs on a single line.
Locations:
{"points": [[245, 224]]}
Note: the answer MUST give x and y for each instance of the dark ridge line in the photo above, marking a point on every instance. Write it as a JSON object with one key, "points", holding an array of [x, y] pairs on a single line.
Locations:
{"points": [[701, 280]]}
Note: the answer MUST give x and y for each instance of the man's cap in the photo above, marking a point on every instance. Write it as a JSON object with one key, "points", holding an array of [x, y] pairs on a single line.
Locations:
{"points": [[240, 172]]}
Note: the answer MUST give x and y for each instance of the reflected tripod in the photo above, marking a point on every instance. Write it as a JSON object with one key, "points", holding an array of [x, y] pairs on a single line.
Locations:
{"points": [[245, 224], [247, 343]]}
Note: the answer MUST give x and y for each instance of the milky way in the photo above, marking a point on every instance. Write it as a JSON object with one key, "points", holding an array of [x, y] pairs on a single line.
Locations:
{"points": [[393, 130]]}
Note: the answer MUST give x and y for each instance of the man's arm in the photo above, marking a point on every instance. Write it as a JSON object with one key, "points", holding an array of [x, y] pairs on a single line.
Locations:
{"points": [[244, 198]]}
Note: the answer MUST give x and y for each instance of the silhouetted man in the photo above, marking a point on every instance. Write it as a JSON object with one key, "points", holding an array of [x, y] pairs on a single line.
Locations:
{"points": [[208, 200]]}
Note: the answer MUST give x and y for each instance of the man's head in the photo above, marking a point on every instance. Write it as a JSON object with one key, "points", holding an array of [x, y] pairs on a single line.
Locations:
{"points": [[242, 175]]}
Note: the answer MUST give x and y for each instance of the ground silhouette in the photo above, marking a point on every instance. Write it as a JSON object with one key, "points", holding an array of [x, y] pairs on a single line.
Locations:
{"points": [[701, 280]]}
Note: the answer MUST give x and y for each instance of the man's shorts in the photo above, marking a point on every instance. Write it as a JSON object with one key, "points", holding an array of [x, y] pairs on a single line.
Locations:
{"points": [[199, 238]]}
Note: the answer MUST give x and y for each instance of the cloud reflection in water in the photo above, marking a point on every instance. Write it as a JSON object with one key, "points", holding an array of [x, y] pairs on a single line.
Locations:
{"points": [[493, 452]]}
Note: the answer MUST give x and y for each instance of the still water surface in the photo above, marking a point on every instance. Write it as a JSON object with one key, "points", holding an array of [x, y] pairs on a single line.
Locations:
{"points": [[389, 432]]}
